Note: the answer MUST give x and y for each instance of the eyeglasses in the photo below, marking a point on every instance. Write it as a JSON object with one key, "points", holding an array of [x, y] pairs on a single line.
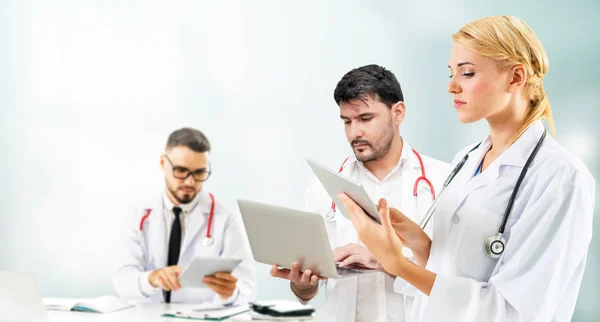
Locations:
{"points": [[184, 173]]}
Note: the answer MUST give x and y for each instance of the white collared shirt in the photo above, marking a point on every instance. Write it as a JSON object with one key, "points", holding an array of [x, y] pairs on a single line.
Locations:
{"points": [[187, 209], [376, 299]]}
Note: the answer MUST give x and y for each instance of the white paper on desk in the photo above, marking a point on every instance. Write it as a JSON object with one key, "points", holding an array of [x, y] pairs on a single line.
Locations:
{"points": [[102, 304], [257, 317], [208, 306], [208, 314]]}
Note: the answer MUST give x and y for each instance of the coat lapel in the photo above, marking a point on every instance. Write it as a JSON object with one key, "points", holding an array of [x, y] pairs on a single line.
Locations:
{"points": [[157, 234], [464, 183], [483, 179], [198, 217], [516, 155]]}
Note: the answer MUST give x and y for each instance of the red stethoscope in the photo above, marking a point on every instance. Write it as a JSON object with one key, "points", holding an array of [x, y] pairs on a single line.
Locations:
{"points": [[423, 178], [208, 239]]}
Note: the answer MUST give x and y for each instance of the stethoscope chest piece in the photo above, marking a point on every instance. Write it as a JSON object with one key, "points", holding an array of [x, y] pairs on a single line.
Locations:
{"points": [[494, 246], [207, 241], [330, 216]]}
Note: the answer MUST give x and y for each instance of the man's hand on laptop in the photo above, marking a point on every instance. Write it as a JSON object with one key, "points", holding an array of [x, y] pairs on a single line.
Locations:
{"points": [[354, 255], [304, 285]]}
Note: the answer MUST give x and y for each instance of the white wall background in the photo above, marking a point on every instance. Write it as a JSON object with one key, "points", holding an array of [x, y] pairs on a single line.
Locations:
{"points": [[90, 90]]}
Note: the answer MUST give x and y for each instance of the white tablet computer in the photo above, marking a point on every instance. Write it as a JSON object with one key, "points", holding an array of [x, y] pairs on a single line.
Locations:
{"points": [[334, 183], [199, 267]]}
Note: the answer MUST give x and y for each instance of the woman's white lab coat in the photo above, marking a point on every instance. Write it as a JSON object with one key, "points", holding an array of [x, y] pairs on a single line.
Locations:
{"points": [[538, 276], [144, 247]]}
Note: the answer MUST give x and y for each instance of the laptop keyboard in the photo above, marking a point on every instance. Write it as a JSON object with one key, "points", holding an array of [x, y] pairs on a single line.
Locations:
{"points": [[347, 271]]}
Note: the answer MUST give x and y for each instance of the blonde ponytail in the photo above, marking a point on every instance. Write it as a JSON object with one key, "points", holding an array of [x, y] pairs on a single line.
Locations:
{"points": [[539, 107]]}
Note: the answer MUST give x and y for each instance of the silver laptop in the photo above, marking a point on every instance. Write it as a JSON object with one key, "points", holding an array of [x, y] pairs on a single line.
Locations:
{"points": [[281, 236], [335, 183], [20, 299]]}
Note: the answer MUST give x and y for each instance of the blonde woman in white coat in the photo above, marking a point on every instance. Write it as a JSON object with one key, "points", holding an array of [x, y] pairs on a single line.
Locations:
{"points": [[496, 69]]}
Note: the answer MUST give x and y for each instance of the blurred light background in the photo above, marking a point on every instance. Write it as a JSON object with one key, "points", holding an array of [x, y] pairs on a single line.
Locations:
{"points": [[90, 90]]}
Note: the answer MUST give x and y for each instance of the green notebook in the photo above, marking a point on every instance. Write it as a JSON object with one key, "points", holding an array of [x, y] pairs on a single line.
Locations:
{"points": [[208, 315]]}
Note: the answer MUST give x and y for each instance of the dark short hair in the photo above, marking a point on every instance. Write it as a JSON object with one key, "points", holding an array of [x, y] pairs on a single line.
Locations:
{"points": [[188, 137], [372, 80]]}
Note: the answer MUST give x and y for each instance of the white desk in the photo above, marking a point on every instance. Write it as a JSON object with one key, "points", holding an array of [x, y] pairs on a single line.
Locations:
{"points": [[144, 313]]}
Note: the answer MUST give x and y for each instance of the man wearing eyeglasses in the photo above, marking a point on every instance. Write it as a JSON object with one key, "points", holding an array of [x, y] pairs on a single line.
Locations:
{"points": [[161, 236]]}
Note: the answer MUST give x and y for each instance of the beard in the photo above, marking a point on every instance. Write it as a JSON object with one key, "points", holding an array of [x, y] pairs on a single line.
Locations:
{"points": [[379, 150], [181, 197]]}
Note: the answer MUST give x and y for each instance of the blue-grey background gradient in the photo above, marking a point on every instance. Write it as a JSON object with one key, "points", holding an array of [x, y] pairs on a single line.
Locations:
{"points": [[89, 91]]}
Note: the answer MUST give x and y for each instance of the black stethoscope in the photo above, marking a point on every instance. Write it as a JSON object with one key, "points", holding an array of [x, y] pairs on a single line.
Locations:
{"points": [[494, 245]]}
